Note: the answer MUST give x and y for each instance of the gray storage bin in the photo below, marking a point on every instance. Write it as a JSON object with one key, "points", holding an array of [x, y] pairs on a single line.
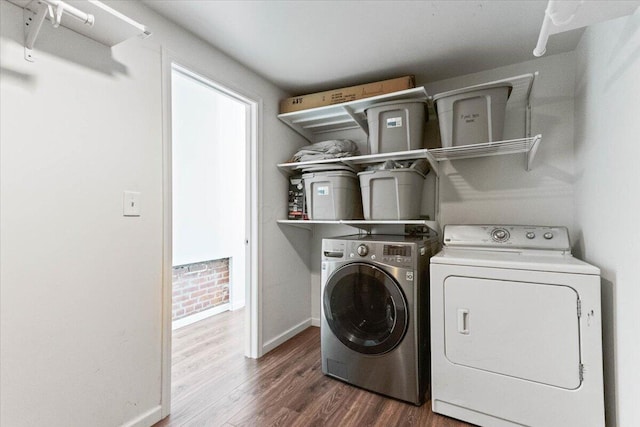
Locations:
{"points": [[396, 126], [391, 194], [468, 116], [332, 195]]}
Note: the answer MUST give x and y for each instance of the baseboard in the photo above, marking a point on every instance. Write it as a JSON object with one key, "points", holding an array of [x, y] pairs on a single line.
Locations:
{"points": [[273, 343], [315, 322], [147, 419], [185, 321]]}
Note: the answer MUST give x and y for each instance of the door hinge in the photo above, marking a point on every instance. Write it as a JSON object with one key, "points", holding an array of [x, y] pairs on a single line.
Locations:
{"points": [[579, 308], [581, 372]]}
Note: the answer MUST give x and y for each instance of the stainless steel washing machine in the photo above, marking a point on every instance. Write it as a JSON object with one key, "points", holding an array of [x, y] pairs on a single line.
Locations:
{"points": [[375, 313]]}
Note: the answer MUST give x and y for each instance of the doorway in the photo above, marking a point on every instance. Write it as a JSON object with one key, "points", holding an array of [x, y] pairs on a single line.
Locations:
{"points": [[209, 129], [210, 141]]}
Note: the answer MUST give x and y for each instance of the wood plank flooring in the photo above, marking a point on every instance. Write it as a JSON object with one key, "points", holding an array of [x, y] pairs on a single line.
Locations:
{"points": [[215, 385]]}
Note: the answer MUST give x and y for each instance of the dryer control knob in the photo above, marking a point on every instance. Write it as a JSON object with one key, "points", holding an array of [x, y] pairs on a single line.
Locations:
{"points": [[500, 235], [548, 235], [363, 250], [531, 235]]}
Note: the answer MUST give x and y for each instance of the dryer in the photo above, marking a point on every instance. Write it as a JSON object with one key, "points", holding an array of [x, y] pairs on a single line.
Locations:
{"points": [[515, 329], [374, 321]]}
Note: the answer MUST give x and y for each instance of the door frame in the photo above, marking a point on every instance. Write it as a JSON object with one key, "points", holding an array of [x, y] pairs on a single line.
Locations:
{"points": [[252, 318]]}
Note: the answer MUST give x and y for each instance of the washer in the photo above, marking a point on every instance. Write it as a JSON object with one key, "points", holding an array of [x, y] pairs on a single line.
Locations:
{"points": [[515, 329], [375, 320]]}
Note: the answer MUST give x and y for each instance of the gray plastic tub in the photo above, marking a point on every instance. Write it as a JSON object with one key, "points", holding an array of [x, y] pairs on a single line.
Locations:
{"points": [[332, 195], [468, 116], [391, 194], [396, 126]]}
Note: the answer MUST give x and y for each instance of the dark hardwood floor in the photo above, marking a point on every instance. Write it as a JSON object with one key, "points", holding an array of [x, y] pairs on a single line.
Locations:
{"points": [[215, 385]]}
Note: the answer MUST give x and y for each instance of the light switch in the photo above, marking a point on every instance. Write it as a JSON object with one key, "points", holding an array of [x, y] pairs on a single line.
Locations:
{"points": [[131, 203]]}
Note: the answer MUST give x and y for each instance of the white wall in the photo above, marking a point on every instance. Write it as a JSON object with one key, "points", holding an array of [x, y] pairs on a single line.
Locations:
{"points": [[81, 285], [607, 198], [208, 151], [209, 138]]}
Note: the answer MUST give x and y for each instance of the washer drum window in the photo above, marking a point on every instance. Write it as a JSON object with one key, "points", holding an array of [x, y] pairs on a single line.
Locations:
{"points": [[365, 308]]}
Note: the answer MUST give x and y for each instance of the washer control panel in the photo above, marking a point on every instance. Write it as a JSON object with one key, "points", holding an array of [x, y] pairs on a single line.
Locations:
{"points": [[406, 252], [514, 236], [399, 255]]}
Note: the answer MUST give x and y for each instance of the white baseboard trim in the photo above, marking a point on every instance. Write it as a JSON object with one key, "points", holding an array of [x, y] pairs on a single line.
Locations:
{"points": [[147, 419], [273, 343], [185, 321], [315, 322]]}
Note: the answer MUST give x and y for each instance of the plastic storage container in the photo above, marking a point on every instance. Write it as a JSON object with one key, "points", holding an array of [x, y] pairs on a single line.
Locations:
{"points": [[396, 126], [332, 195], [472, 116], [391, 194]]}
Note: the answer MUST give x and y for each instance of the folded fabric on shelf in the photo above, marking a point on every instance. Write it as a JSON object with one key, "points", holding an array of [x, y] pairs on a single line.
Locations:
{"points": [[332, 149]]}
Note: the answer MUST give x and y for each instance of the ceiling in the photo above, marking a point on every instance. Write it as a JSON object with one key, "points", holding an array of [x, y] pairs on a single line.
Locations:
{"points": [[307, 46]]}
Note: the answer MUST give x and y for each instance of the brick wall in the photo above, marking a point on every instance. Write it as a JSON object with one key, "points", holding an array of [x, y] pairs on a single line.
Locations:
{"points": [[200, 286]]}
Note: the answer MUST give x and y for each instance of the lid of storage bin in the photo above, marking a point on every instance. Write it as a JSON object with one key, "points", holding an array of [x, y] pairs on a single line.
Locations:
{"points": [[472, 89], [327, 167], [346, 174], [392, 171], [396, 102]]}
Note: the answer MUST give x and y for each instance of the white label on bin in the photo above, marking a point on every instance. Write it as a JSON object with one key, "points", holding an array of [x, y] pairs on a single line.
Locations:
{"points": [[322, 191], [394, 122]]}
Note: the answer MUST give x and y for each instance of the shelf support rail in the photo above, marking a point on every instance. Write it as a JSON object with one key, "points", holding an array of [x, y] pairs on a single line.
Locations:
{"points": [[54, 9], [364, 125], [531, 154]]}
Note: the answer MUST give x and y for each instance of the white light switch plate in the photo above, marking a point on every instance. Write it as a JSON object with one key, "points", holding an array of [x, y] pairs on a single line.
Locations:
{"points": [[131, 203]]}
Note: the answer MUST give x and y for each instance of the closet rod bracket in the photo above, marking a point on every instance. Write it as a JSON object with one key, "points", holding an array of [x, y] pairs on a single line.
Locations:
{"points": [[32, 25], [54, 9]]}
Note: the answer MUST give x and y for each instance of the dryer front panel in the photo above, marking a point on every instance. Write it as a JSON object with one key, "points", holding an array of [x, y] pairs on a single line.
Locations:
{"points": [[523, 330], [365, 308]]}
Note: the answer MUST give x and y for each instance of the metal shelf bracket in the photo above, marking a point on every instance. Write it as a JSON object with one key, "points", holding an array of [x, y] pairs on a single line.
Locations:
{"points": [[531, 154], [32, 25], [54, 9]]}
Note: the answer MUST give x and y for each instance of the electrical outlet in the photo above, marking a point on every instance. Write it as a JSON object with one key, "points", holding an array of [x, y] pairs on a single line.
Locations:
{"points": [[131, 203]]}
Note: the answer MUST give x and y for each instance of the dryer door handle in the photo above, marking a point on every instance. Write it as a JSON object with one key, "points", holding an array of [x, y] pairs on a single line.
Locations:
{"points": [[463, 321]]}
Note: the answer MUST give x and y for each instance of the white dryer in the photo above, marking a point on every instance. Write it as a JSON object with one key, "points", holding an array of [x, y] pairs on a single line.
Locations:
{"points": [[515, 329]]}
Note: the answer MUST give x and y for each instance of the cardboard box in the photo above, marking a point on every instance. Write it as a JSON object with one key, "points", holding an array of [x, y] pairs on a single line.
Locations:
{"points": [[338, 96]]}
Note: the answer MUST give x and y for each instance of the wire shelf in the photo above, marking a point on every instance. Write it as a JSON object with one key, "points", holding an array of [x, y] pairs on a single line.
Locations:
{"points": [[512, 146], [362, 224]]}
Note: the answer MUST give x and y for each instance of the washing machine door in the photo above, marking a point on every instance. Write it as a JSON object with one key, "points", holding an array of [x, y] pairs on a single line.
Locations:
{"points": [[365, 308]]}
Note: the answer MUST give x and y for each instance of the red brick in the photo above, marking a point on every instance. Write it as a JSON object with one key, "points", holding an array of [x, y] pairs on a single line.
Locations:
{"points": [[181, 298], [189, 303], [197, 294]]}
